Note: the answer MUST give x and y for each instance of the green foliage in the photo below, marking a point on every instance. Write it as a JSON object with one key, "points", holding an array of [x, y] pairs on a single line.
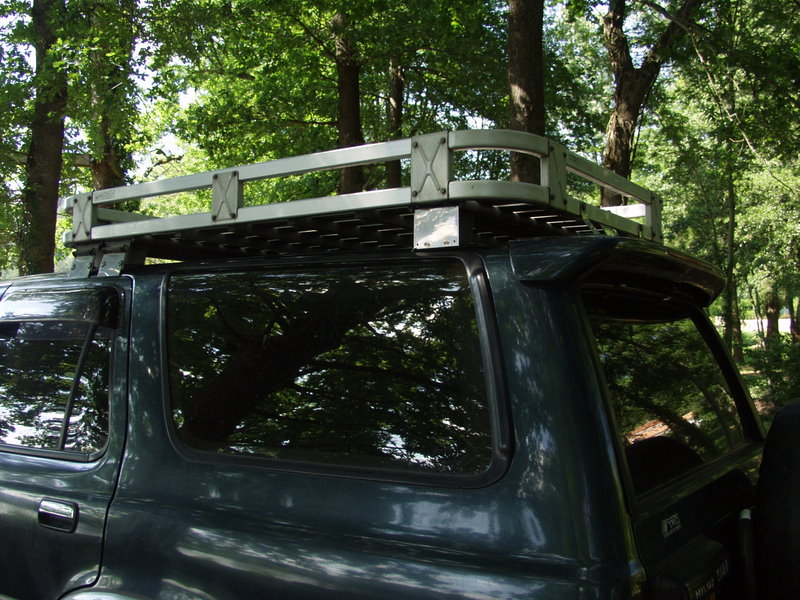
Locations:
{"points": [[578, 82], [773, 379]]}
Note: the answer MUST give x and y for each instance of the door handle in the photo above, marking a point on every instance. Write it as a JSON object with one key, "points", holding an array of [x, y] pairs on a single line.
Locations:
{"points": [[58, 514]]}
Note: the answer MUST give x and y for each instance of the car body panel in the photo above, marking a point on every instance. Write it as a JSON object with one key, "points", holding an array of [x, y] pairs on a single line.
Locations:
{"points": [[68, 557]]}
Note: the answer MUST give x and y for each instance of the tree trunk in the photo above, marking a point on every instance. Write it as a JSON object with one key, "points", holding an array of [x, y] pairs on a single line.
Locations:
{"points": [[348, 70], [794, 326], [394, 118], [772, 306], [632, 86], [730, 305], [526, 80], [107, 171], [736, 325], [36, 235]]}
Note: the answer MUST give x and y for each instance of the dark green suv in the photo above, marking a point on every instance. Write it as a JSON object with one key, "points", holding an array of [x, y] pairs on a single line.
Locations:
{"points": [[457, 389]]}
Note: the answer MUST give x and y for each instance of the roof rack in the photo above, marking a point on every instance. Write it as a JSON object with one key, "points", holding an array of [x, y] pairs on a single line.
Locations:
{"points": [[434, 211]]}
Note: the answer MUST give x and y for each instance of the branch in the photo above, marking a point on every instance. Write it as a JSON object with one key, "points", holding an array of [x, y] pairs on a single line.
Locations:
{"points": [[82, 160], [314, 36], [160, 163], [682, 23], [17, 158], [74, 159], [676, 26], [309, 122], [226, 73]]}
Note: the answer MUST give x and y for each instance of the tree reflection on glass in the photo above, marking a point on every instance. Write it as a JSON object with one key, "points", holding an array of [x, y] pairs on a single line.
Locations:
{"points": [[673, 406], [354, 366], [49, 368]]}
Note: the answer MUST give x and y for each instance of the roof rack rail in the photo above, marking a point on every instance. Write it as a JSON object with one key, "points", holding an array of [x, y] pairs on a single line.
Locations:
{"points": [[434, 211]]}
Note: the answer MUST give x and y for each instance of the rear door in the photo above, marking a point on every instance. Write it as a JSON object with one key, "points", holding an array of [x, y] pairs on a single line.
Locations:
{"points": [[688, 440], [62, 423]]}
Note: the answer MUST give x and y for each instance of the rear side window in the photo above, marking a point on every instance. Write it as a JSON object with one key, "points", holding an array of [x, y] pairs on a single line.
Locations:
{"points": [[369, 367], [54, 370], [673, 405]]}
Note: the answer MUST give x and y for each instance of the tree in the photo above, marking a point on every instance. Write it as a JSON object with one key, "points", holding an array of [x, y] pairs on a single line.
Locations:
{"points": [[348, 114], [36, 231], [722, 161], [633, 84], [526, 79]]}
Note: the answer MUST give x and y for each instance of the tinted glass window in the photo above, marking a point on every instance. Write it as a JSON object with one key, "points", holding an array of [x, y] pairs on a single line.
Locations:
{"points": [[54, 383], [364, 366], [673, 405]]}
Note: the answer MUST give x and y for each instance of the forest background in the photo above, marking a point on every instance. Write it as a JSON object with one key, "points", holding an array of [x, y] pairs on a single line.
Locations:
{"points": [[698, 100]]}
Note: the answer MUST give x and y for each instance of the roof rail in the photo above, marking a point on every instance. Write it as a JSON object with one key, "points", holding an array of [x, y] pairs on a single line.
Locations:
{"points": [[434, 211]]}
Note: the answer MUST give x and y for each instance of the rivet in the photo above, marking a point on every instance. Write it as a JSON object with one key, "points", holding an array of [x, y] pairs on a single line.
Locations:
{"points": [[415, 193], [442, 140], [414, 144], [442, 191]]}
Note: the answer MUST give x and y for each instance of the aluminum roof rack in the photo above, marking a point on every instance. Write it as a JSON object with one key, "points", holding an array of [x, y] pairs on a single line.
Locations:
{"points": [[435, 211]]}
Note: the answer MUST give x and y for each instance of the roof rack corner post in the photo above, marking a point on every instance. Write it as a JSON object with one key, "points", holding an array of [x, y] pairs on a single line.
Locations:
{"points": [[84, 216], [431, 167], [653, 216], [554, 174], [226, 195]]}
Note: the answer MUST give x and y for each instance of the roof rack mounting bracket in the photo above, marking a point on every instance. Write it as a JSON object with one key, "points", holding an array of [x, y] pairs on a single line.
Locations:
{"points": [[84, 263], [441, 227], [113, 260], [100, 259]]}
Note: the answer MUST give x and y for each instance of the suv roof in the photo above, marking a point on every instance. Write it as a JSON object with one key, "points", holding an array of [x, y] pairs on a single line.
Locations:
{"points": [[436, 210]]}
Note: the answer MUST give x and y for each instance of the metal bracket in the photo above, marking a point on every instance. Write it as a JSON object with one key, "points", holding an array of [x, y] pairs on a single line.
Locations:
{"points": [[431, 167], [107, 261], [226, 196], [441, 227], [82, 266], [113, 261]]}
